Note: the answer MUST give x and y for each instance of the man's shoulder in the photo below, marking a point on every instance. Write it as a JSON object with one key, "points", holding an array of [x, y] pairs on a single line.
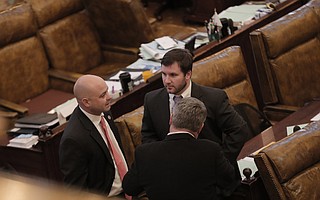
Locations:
{"points": [[208, 89], [155, 94]]}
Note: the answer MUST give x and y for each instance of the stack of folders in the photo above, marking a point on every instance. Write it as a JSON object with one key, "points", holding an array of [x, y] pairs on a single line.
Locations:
{"points": [[31, 123], [25, 141]]}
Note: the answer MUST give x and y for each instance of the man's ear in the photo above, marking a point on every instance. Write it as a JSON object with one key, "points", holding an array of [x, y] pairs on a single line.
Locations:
{"points": [[188, 75], [85, 102], [200, 128]]}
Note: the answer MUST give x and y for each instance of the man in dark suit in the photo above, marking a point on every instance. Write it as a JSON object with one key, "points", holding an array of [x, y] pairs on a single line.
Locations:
{"points": [[180, 166], [223, 124], [85, 158]]}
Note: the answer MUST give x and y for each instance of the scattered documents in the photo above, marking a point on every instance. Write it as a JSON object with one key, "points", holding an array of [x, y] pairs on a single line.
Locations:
{"points": [[241, 14], [25, 141], [247, 162], [144, 65]]}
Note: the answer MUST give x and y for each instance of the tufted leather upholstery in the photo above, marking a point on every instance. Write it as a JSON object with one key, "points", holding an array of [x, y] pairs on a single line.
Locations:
{"points": [[287, 57], [72, 42], [23, 61], [290, 168], [226, 70]]}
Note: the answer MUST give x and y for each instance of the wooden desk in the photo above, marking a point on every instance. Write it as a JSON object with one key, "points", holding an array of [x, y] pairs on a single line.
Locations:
{"points": [[279, 130], [40, 160]]}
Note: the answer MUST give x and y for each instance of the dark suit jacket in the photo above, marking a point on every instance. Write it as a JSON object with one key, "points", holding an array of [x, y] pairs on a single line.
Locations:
{"points": [[223, 124], [179, 167], [85, 160]]}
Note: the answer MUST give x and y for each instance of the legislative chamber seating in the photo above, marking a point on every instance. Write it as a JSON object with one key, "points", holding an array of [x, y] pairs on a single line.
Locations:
{"points": [[73, 44], [225, 69], [290, 168], [287, 59], [24, 66], [124, 24]]}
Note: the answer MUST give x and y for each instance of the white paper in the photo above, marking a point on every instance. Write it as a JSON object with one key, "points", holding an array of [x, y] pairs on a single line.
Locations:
{"points": [[142, 64], [290, 128], [316, 118], [247, 162], [134, 75], [166, 42], [151, 52], [65, 110]]}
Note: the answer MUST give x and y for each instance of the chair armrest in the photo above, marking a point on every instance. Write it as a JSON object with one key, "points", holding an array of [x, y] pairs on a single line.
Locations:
{"points": [[119, 49], [8, 114], [13, 106], [279, 112], [64, 75]]}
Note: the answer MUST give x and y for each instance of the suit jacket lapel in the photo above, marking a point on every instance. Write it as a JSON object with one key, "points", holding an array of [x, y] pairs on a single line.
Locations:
{"points": [[164, 110], [94, 133]]}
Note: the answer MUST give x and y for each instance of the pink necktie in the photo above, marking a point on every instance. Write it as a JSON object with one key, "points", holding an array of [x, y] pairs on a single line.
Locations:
{"points": [[116, 154]]}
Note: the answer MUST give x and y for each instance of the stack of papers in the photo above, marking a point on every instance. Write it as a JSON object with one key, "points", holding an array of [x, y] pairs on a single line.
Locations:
{"points": [[25, 141], [241, 14], [155, 51]]}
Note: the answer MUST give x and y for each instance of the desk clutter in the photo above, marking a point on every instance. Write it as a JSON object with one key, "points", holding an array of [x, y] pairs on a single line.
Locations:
{"points": [[233, 18], [28, 129], [149, 62]]}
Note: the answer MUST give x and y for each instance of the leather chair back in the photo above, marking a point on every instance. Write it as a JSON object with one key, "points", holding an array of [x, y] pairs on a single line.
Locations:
{"points": [[226, 70], [70, 39], [290, 168], [23, 62], [287, 57]]}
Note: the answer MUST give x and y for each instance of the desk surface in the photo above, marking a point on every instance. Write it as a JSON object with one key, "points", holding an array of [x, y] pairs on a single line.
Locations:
{"points": [[279, 130]]}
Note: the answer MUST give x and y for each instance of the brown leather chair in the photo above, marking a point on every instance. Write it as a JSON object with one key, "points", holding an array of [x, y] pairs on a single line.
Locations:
{"points": [[290, 168], [72, 42], [287, 60], [24, 65], [124, 23], [227, 70]]}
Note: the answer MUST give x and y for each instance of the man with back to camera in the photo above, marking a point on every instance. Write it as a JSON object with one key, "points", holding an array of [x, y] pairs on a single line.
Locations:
{"points": [[87, 159], [223, 124], [180, 166]]}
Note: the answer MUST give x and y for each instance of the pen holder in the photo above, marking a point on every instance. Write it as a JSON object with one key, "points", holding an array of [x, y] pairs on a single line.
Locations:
{"points": [[126, 82]]}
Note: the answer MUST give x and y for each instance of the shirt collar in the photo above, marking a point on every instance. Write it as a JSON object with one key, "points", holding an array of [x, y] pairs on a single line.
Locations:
{"points": [[94, 118], [177, 132]]}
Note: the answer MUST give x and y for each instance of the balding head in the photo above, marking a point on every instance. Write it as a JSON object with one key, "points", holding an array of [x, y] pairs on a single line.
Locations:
{"points": [[89, 87], [86, 85]]}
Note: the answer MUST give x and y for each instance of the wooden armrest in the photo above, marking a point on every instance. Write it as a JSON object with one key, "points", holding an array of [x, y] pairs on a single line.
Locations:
{"points": [[119, 49], [276, 113], [64, 75], [8, 114], [282, 108], [13, 106]]}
